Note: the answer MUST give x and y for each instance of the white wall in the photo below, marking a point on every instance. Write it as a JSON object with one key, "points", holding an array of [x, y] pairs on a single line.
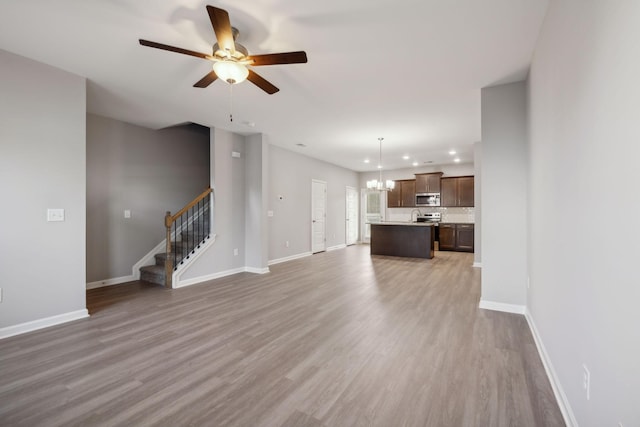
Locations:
{"points": [[146, 171], [256, 231], [477, 192], [290, 176], [584, 115], [42, 165], [504, 196], [228, 184]]}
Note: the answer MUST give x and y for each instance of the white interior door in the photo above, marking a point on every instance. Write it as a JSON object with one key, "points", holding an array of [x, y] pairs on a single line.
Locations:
{"points": [[318, 215], [352, 216], [373, 203]]}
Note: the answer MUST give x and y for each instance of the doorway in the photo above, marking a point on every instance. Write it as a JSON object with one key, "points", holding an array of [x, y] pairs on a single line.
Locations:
{"points": [[318, 215], [373, 203], [351, 215]]}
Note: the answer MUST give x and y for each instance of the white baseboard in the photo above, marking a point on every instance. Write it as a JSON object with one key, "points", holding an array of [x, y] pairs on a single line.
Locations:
{"points": [[561, 397], [289, 258], [110, 282], [336, 247], [500, 306], [34, 325], [477, 264], [256, 270], [205, 278]]}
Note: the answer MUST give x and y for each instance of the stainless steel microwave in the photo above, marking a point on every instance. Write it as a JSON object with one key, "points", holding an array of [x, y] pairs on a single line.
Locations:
{"points": [[428, 199]]}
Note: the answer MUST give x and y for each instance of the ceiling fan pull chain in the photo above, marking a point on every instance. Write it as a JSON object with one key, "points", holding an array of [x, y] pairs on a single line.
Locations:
{"points": [[231, 103]]}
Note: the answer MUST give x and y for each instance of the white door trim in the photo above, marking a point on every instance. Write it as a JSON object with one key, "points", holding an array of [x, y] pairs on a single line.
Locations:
{"points": [[349, 218]]}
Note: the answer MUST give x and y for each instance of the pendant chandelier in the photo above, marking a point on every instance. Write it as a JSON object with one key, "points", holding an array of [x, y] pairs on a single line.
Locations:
{"points": [[379, 184]]}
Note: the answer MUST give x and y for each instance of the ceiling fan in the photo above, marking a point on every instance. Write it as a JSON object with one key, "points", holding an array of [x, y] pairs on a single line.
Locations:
{"points": [[230, 59]]}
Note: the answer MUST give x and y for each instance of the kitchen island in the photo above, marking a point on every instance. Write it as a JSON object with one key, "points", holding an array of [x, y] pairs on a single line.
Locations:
{"points": [[403, 239]]}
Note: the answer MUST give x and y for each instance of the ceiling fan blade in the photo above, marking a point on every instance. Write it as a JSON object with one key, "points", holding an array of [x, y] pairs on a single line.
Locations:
{"points": [[261, 83], [206, 80], [299, 57], [222, 27], [175, 49]]}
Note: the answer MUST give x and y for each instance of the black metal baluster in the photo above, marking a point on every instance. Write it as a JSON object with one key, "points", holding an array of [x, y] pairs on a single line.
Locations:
{"points": [[175, 248]]}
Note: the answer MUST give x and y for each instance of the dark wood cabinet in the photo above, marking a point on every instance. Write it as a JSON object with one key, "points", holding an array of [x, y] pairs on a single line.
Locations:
{"points": [[456, 237], [403, 195], [394, 199], [408, 193], [448, 191], [428, 182], [464, 237], [457, 191], [466, 193], [447, 237]]}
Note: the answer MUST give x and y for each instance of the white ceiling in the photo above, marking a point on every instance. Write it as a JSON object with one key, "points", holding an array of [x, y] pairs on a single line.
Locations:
{"points": [[409, 71]]}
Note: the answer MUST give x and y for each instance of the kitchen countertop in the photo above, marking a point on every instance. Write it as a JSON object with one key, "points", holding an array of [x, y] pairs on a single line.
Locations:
{"points": [[411, 224]]}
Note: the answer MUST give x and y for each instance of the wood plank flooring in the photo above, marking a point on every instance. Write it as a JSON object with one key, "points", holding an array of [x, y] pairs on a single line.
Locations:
{"points": [[336, 339]]}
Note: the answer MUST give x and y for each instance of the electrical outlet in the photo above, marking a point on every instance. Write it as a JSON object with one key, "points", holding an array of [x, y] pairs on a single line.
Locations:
{"points": [[127, 213], [586, 380], [235, 252], [54, 215], [286, 244]]}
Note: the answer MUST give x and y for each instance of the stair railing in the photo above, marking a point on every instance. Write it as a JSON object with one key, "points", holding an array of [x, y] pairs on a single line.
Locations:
{"points": [[192, 225]]}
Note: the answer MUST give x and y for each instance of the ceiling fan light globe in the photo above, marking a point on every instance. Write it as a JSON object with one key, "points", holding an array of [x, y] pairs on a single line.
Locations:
{"points": [[231, 72]]}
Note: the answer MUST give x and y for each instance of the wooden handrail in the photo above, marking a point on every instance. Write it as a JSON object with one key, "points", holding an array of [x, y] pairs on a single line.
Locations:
{"points": [[168, 223], [191, 204]]}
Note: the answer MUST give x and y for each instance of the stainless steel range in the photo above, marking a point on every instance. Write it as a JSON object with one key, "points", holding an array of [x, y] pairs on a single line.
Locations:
{"points": [[433, 217]]}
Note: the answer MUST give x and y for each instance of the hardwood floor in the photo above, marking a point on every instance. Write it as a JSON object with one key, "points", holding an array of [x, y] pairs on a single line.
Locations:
{"points": [[336, 339]]}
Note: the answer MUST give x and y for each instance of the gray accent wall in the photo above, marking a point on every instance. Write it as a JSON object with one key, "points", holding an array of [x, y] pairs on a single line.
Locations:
{"points": [[504, 194], [290, 176], [42, 165], [142, 170], [584, 111]]}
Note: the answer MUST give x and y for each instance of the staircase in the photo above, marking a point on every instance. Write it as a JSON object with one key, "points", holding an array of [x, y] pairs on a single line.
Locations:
{"points": [[186, 231]]}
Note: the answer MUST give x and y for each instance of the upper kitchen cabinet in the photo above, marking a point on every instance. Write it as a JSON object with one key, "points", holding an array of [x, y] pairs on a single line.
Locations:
{"points": [[457, 191], [394, 198], [403, 195], [428, 182]]}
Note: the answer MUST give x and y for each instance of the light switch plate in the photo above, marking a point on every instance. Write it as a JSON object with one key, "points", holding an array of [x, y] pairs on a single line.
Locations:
{"points": [[127, 213], [269, 213], [54, 215]]}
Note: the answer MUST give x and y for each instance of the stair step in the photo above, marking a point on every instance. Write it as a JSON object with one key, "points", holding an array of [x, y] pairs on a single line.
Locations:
{"points": [[152, 274], [155, 273]]}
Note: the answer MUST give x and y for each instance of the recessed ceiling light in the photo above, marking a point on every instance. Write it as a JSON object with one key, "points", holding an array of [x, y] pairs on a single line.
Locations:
{"points": [[379, 166], [366, 160], [452, 152], [405, 157], [457, 159], [299, 144], [415, 163]]}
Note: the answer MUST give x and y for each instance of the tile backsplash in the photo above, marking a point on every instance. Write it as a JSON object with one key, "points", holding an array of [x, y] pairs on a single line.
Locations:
{"points": [[458, 215]]}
